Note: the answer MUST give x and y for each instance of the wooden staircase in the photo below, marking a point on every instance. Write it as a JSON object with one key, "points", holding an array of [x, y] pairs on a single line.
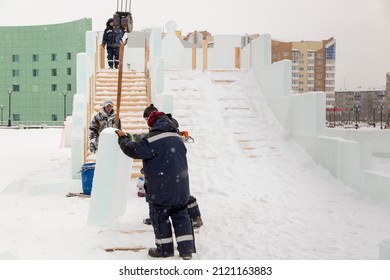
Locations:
{"points": [[133, 102]]}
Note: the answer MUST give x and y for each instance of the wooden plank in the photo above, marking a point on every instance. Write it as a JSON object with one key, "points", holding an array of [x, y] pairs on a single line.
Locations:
{"points": [[102, 60], [237, 56], [205, 55], [119, 93], [134, 249], [194, 58]]}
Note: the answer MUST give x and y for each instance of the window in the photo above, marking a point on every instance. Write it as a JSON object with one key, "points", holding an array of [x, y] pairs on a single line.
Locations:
{"points": [[53, 57], [69, 56], [15, 88], [54, 117], [69, 71], [35, 72], [53, 87], [295, 55], [15, 58], [54, 72], [15, 72], [69, 87], [35, 57], [16, 117]]}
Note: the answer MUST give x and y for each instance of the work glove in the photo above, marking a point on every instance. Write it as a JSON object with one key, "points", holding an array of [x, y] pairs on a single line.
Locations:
{"points": [[122, 134]]}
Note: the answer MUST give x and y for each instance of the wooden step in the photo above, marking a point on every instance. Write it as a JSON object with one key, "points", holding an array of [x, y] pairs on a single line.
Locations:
{"points": [[133, 103]]}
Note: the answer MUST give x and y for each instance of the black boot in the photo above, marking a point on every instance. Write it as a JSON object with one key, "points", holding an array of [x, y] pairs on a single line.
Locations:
{"points": [[186, 256], [155, 254], [147, 221], [197, 222]]}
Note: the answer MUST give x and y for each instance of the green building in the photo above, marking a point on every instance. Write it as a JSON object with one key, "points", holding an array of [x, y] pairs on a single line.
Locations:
{"points": [[38, 71]]}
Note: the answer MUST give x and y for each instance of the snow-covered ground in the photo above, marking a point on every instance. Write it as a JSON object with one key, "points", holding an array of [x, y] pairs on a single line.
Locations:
{"points": [[261, 196]]}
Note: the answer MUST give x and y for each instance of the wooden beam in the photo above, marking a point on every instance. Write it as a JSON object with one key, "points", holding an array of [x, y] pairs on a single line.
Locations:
{"points": [[205, 58], [96, 55], [194, 58], [146, 46], [119, 88], [237, 55], [102, 60]]}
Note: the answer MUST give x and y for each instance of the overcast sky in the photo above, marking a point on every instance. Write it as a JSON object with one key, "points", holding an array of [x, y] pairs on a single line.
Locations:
{"points": [[360, 27]]}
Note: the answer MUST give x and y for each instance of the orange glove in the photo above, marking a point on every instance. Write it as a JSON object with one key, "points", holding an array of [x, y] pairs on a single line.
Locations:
{"points": [[120, 133]]}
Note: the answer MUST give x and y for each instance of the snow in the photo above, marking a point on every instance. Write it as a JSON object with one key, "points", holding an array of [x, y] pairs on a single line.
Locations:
{"points": [[261, 196]]}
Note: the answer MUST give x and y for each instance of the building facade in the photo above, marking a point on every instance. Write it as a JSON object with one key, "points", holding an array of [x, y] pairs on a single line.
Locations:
{"points": [[313, 65], [387, 95], [38, 71], [367, 105]]}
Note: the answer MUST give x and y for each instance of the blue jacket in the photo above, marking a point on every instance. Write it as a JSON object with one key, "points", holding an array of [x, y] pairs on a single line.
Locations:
{"points": [[112, 37], [163, 154]]}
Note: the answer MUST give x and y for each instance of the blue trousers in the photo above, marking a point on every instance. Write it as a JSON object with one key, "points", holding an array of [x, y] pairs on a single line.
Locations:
{"points": [[161, 217], [113, 57]]}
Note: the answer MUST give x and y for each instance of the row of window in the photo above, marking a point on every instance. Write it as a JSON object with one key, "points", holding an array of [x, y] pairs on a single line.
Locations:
{"points": [[35, 72], [54, 87], [299, 55], [309, 61], [35, 57], [16, 117], [309, 68]]}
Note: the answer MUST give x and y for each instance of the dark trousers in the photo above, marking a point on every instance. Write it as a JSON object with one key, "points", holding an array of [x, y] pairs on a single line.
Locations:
{"points": [[192, 205], [161, 217], [113, 57]]}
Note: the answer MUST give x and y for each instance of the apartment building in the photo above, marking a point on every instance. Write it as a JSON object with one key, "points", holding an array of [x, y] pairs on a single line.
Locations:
{"points": [[37, 69], [369, 104], [387, 94], [313, 65]]}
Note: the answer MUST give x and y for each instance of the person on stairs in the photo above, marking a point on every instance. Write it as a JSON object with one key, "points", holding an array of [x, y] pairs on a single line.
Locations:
{"points": [[105, 118], [193, 207], [112, 37], [164, 159]]}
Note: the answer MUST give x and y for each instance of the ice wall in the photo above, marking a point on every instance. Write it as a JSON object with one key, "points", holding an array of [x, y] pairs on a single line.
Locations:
{"points": [[79, 113], [222, 55], [111, 181], [346, 154], [172, 50]]}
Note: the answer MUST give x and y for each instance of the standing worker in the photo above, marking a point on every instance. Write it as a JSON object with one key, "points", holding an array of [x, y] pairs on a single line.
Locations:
{"points": [[112, 38], [105, 118], [164, 159], [193, 207]]}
